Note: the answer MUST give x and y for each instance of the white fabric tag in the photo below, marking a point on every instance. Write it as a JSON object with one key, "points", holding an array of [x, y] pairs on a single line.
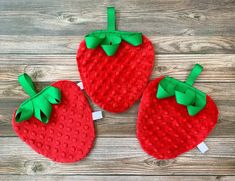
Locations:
{"points": [[80, 85], [202, 147], [97, 115]]}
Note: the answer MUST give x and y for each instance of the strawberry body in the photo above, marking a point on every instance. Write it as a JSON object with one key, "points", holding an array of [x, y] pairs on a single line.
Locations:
{"points": [[164, 127], [116, 82], [69, 134]]}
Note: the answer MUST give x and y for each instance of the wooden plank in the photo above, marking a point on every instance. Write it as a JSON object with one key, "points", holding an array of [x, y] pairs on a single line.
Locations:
{"points": [[114, 178], [13, 91], [15, 44], [41, 38], [160, 17], [123, 125], [218, 67], [113, 156]]}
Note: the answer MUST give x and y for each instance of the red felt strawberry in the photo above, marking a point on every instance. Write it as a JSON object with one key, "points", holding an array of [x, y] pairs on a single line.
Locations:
{"points": [[64, 135], [174, 117], [115, 66]]}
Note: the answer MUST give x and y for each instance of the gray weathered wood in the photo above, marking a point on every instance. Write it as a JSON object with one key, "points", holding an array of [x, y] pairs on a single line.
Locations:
{"points": [[219, 91], [114, 178], [123, 125], [41, 39], [163, 44], [218, 68], [121, 156], [71, 17]]}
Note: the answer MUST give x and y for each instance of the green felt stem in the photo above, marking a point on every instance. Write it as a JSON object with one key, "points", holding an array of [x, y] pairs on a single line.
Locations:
{"points": [[110, 39], [184, 92], [39, 104], [111, 18], [197, 69]]}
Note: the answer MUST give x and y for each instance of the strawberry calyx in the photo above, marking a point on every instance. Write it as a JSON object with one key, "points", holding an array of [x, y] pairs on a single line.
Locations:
{"points": [[110, 39], [39, 104], [184, 92]]}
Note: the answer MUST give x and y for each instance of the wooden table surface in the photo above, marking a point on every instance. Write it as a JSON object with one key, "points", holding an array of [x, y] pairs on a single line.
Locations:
{"points": [[40, 37]]}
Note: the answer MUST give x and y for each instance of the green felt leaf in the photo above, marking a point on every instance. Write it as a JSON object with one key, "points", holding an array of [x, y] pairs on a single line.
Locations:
{"points": [[185, 93], [110, 39], [24, 112], [39, 104]]}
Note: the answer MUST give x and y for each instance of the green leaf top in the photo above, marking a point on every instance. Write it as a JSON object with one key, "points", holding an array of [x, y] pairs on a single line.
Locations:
{"points": [[184, 92], [39, 104], [110, 39]]}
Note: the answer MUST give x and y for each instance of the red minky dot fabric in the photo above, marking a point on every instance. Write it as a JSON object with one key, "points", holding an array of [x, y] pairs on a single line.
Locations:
{"points": [[116, 82], [69, 135], [166, 130]]}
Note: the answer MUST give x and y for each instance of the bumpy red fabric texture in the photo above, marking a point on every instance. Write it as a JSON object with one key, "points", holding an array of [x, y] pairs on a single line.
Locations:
{"points": [[115, 83], [69, 135], [165, 129]]}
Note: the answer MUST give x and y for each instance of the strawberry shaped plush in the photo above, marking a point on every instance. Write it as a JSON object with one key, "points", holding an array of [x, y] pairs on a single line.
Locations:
{"points": [[174, 117], [56, 122], [115, 66]]}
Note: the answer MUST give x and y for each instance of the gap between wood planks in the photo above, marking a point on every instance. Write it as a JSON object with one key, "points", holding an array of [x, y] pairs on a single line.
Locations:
{"points": [[47, 45], [127, 156]]}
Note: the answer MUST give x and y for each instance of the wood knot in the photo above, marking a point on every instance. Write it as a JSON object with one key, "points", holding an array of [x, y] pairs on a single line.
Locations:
{"points": [[197, 17], [35, 167], [159, 163]]}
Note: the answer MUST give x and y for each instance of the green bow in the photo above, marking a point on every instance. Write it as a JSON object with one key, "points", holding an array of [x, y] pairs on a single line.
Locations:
{"points": [[110, 39], [184, 92], [39, 104]]}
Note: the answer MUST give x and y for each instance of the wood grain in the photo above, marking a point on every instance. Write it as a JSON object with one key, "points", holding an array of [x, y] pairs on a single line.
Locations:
{"points": [[41, 38], [24, 44], [217, 68], [123, 125], [175, 17], [120, 156], [115, 178]]}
